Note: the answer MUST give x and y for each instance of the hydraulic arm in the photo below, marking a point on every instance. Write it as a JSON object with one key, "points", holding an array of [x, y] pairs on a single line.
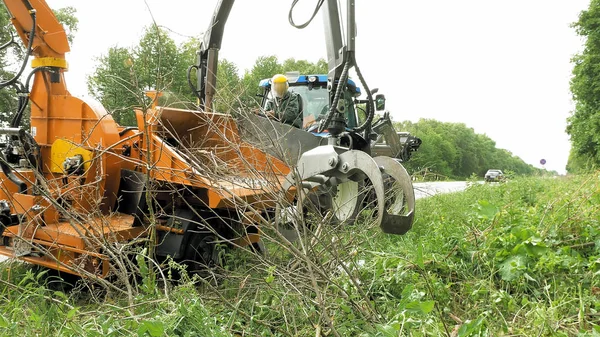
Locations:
{"points": [[208, 55]]}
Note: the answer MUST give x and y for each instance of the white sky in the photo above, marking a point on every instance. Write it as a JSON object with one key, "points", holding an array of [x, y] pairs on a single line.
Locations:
{"points": [[500, 67]]}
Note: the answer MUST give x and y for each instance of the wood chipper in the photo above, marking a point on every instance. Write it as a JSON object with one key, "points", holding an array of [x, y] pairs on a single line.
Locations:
{"points": [[74, 181]]}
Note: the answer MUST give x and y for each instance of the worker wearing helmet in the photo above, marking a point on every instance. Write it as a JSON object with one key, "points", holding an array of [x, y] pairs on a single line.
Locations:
{"points": [[284, 105]]}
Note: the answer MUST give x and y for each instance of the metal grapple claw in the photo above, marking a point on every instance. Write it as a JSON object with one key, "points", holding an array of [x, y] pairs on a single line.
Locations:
{"points": [[399, 210], [339, 168]]}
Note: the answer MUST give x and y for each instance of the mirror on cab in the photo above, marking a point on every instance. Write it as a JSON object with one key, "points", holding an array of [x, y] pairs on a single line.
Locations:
{"points": [[379, 102]]}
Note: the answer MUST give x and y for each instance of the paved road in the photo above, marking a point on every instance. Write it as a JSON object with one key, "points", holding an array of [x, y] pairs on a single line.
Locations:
{"points": [[428, 189]]}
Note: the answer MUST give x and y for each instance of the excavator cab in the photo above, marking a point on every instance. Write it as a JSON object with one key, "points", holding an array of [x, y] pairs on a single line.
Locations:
{"points": [[315, 105], [315, 98]]}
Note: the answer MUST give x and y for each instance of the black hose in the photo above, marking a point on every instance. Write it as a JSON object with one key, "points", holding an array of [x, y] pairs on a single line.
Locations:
{"points": [[124, 131], [291, 19], [12, 40], [32, 149], [30, 76], [189, 80], [29, 46], [7, 170], [21, 106], [338, 92], [370, 109], [18, 86], [23, 98]]}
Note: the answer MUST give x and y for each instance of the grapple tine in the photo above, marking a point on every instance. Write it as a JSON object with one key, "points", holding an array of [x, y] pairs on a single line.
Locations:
{"points": [[398, 219], [327, 161], [394, 218]]}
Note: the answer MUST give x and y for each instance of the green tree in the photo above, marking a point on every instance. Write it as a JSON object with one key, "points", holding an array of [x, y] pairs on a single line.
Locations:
{"points": [[112, 84], [456, 151], [304, 67], [67, 17], [7, 96], [5, 31], [157, 63], [266, 67], [124, 75], [579, 163], [584, 122], [229, 87]]}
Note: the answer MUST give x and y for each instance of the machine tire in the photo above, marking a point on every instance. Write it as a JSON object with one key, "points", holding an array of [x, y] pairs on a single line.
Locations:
{"points": [[201, 253], [323, 201]]}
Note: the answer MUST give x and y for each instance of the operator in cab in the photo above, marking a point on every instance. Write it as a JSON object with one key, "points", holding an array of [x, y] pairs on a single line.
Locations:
{"points": [[284, 105]]}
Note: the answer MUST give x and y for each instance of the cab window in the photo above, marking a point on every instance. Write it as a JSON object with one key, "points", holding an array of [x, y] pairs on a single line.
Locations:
{"points": [[316, 104]]}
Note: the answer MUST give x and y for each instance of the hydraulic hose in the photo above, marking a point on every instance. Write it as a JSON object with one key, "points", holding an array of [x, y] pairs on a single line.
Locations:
{"points": [[23, 98], [189, 80], [370, 109], [125, 130], [32, 149], [338, 92], [21, 106], [7, 170], [304, 25], [12, 40], [32, 12]]}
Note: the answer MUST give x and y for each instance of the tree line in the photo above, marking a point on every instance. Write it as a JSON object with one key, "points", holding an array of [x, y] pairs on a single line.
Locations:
{"points": [[453, 150], [584, 122], [157, 62]]}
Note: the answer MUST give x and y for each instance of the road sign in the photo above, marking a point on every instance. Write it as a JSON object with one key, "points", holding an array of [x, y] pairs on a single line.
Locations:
{"points": [[543, 161]]}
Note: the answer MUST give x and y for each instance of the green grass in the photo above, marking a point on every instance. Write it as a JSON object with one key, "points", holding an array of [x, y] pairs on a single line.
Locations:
{"points": [[514, 259]]}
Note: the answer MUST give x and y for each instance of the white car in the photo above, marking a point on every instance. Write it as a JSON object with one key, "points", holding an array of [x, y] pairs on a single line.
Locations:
{"points": [[494, 175]]}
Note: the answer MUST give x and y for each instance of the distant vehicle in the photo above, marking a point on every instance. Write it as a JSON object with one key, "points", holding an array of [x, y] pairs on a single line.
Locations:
{"points": [[494, 175]]}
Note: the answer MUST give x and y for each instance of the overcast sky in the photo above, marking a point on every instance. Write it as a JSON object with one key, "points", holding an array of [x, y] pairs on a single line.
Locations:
{"points": [[500, 67]]}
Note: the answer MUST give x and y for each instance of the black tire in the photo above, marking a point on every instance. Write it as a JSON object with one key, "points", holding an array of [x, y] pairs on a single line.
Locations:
{"points": [[201, 252], [322, 201]]}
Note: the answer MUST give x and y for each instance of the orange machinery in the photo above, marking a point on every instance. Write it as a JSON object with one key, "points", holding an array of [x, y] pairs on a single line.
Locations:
{"points": [[76, 181]]}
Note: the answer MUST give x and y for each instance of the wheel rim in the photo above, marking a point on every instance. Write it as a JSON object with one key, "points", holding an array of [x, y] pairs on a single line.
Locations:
{"points": [[345, 201]]}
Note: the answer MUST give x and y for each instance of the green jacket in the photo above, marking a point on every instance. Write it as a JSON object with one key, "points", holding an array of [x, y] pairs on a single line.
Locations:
{"points": [[287, 109]]}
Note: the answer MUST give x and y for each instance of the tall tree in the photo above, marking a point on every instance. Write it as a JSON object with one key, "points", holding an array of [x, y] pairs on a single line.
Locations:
{"points": [[578, 163], [305, 67], [157, 63], [229, 87], [264, 67], [124, 75], [70, 23], [7, 96], [584, 122], [114, 83]]}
